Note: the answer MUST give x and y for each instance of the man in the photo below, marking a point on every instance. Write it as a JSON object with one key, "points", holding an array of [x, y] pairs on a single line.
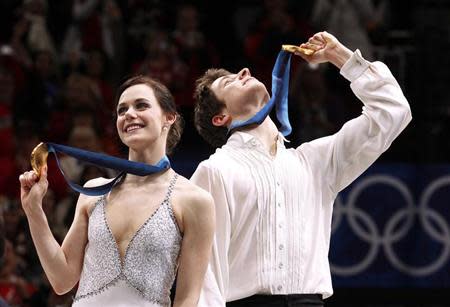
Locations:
{"points": [[274, 205]]}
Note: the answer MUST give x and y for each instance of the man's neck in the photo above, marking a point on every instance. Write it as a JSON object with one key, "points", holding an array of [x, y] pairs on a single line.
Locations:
{"points": [[267, 133]]}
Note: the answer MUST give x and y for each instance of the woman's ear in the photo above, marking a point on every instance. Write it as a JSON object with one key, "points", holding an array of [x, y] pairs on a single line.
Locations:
{"points": [[170, 119], [221, 120]]}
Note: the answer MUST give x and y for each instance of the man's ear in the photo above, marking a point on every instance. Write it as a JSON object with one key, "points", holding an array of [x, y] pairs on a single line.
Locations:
{"points": [[221, 120]]}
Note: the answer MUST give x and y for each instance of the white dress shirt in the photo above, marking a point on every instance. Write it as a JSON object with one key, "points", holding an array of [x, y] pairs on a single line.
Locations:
{"points": [[274, 212]]}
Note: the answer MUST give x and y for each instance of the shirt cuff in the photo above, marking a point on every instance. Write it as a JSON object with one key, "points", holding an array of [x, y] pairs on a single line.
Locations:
{"points": [[354, 67]]}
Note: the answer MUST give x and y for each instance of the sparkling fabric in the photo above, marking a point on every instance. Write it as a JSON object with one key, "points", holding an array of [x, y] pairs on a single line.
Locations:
{"points": [[150, 260], [120, 294]]}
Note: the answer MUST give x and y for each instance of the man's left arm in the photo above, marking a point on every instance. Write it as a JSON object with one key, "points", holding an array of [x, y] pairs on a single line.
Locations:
{"points": [[345, 155], [385, 114]]}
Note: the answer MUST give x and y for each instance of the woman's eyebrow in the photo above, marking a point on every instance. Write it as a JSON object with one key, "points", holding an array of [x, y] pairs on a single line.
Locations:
{"points": [[121, 104], [134, 101]]}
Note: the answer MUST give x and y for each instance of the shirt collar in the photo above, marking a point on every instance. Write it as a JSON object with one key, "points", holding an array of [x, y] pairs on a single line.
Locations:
{"points": [[239, 138]]}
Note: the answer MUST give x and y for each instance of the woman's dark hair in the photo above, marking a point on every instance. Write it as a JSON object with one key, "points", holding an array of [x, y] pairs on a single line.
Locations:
{"points": [[207, 105], [166, 102]]}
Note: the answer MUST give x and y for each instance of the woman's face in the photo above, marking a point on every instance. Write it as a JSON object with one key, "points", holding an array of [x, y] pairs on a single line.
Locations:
{"points": [[140, 119]]}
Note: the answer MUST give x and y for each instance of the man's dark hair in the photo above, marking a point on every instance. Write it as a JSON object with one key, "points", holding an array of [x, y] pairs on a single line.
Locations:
{"points": [[165, 100], [207, 105]]}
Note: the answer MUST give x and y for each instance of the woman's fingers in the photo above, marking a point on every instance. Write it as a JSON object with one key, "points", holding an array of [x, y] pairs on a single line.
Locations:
{"points": [[28, 179]]}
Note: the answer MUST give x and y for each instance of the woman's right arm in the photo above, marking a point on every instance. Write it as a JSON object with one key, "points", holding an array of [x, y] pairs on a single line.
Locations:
{"points": [[62, 264], [216, 281]]}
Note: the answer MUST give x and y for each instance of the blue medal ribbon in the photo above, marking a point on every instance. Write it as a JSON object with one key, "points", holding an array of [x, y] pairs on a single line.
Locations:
{"points": [[103, 160], [280, 92]]}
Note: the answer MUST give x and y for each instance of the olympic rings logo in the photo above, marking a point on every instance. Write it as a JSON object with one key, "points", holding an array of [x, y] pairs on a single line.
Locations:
{"points": [[433, 223]]}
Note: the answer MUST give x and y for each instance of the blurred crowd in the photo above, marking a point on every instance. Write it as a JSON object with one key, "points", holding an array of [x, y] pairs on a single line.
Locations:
{"points": [[61, 61]]}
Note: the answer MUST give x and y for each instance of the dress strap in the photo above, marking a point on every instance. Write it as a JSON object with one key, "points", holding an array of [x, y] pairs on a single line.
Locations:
{"points": [[170, 188]]}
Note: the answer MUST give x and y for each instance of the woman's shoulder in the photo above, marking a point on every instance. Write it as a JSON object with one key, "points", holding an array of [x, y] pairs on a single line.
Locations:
{"points": [[96, 181], [192, 195], [87, 203]]}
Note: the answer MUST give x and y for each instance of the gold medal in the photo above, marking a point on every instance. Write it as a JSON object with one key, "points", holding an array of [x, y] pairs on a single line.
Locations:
{"points": [[293, 49], [38, 158]]}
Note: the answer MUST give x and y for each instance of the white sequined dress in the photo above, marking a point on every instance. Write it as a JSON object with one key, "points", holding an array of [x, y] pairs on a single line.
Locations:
{"points": [[147, 273]]}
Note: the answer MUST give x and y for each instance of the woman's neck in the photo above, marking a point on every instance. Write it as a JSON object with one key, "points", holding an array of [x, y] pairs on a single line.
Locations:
{"points": [[149, 156], [136, 181], [152, 155]]}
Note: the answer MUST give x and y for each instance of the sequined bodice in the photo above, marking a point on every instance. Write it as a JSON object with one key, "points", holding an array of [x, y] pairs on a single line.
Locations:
{"points": [[150, 262]]}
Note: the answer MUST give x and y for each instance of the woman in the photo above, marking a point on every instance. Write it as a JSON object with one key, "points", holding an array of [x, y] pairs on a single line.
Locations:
{"points": [[125, 247]]}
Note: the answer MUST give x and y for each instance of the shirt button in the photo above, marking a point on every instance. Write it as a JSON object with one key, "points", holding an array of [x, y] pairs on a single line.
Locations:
{"points": [[279, 204], [281, 247], [278, 183], [280, 288], [280, 265], [280, 225]]}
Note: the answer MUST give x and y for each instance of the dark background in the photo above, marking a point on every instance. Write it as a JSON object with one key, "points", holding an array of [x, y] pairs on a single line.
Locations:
{"points": [[59, 71]]}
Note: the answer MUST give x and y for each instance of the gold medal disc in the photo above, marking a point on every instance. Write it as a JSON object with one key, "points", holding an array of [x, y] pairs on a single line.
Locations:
{"points": [[293, 48], [38, 158]]}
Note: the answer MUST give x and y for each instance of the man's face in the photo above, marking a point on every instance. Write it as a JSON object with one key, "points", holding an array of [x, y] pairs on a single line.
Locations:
{"points": [[243, 95]]}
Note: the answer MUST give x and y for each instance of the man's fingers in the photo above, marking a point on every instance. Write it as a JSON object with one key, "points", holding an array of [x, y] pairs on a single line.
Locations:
{"points": [[316, 40], [311, 46], [328, 38]]}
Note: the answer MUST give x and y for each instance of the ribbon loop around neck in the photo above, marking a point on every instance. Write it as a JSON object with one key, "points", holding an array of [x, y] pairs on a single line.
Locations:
{"points": [[279, 99], [124, 166]]}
